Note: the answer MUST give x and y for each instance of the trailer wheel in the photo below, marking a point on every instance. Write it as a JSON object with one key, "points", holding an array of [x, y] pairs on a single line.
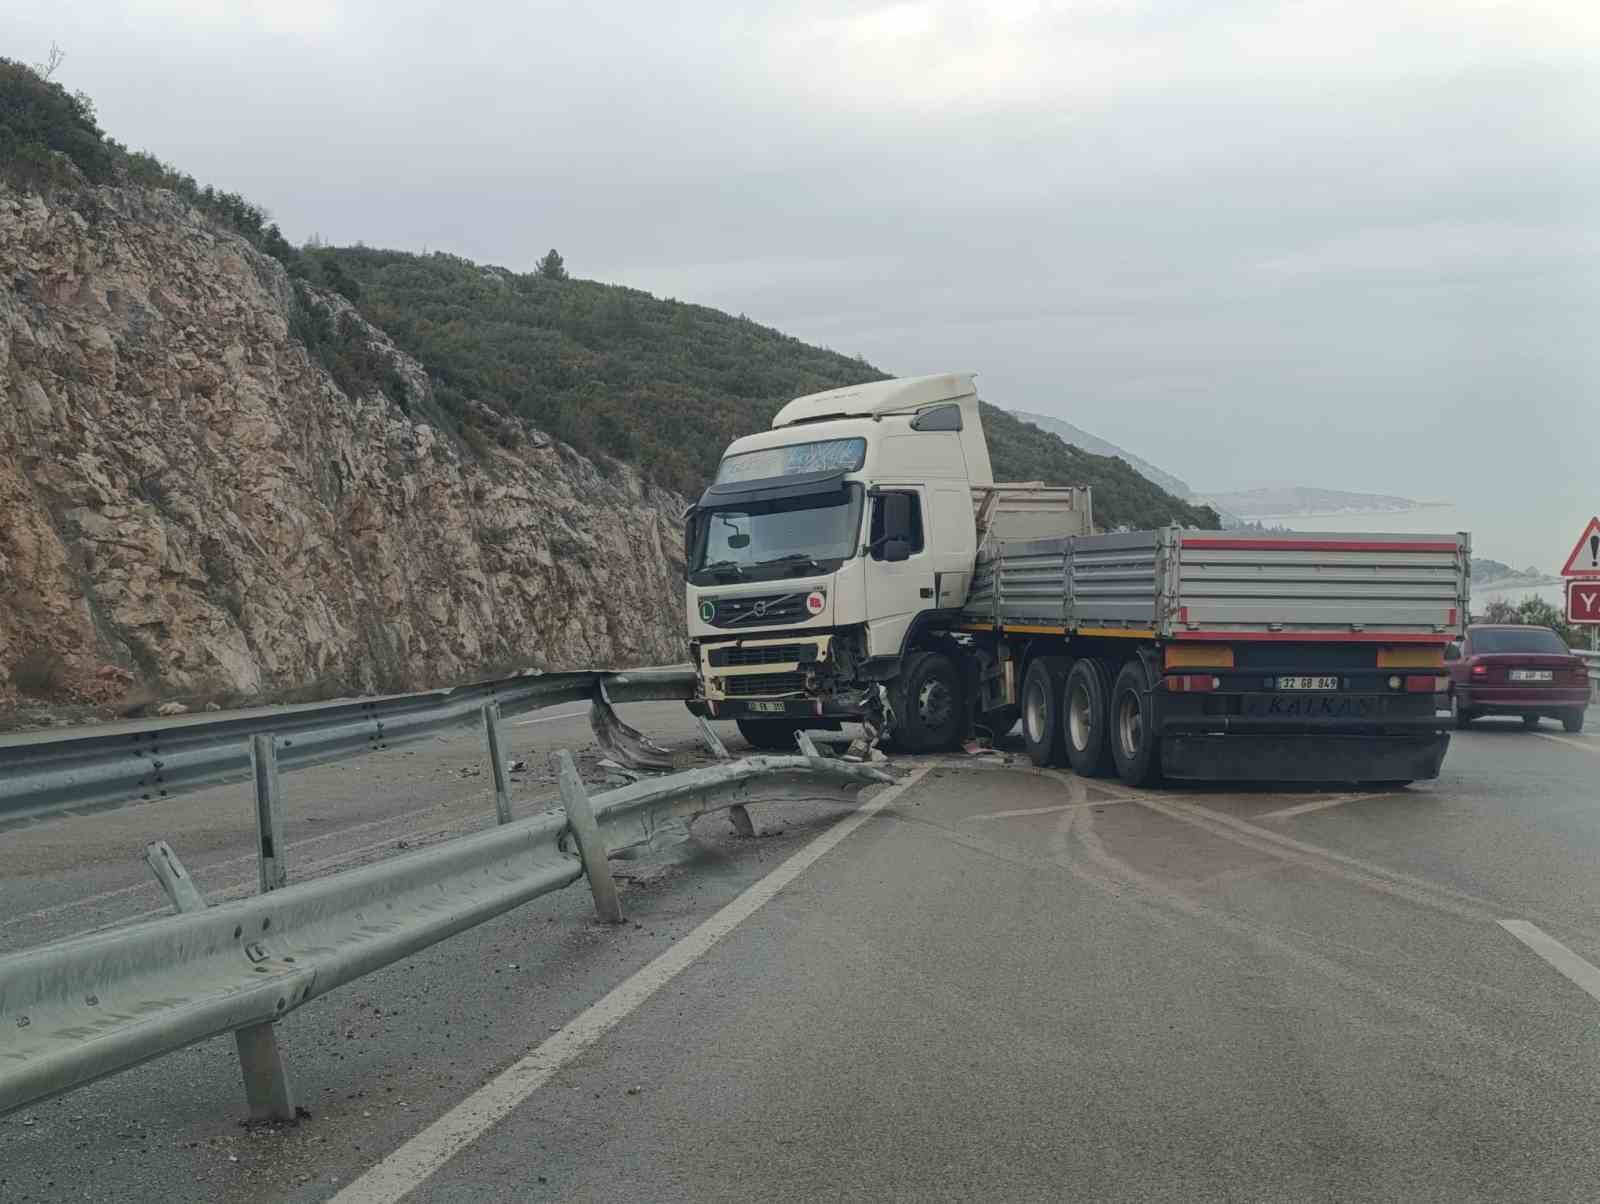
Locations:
{"points": [[929, 709], [1085, 719], [1043, 688], [1135, 743]]}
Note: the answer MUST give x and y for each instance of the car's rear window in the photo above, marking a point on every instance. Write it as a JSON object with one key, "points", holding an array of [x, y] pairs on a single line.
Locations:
{"points": [[1516, 639]]}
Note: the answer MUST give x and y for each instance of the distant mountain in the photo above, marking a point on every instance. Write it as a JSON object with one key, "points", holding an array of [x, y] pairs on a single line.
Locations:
{"points": [[1079, 437], [1303, 501]]}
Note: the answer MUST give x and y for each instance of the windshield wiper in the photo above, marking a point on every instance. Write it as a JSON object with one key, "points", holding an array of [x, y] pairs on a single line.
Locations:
{"points": [[717, 566], [790, 558]]}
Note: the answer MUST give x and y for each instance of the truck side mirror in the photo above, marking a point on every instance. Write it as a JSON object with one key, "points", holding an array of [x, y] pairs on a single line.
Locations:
{"points": [[896, 550]]}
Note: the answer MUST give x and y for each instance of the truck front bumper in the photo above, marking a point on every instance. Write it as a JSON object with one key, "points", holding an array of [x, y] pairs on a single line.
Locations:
{"points": [[774, 708]]}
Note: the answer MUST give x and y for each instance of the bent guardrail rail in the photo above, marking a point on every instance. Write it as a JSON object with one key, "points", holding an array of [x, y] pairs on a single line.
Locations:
{"points": [[88, 1007], [94, 770]]}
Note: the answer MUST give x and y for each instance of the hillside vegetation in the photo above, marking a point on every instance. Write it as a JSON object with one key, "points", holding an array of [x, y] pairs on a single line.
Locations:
{"points": [[614, 372]]}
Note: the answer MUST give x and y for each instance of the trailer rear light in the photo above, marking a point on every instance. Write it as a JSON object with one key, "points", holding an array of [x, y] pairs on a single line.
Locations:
{"points": [[1187, 683], [1425, 685], [1395, 683], [1199, 656]]}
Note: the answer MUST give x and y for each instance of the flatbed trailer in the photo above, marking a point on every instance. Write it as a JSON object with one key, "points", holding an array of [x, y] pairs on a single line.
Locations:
{"points": [[1204, 654]]}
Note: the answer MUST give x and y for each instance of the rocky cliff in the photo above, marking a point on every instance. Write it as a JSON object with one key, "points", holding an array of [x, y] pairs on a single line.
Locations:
{"points": [[189, 504]]}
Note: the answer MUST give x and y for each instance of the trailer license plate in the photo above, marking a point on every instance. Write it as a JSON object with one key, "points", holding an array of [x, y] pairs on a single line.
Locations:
{"points": [[767, 708], [1531, 675], [1308, 683]]}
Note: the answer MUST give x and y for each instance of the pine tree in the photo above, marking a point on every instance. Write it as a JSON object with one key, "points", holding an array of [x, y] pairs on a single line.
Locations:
{"points": [[551, 267]]}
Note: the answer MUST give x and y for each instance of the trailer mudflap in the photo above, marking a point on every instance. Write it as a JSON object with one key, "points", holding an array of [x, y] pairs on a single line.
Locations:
{"points": [[1306, 757]]}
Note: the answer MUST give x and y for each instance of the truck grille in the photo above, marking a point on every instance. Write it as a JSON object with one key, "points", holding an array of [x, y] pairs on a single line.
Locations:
{"points": [[765, 685], [755, 611], [772, 654]]}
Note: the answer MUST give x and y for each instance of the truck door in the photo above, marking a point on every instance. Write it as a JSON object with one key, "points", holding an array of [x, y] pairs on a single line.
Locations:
{"points": [[897, 591]]}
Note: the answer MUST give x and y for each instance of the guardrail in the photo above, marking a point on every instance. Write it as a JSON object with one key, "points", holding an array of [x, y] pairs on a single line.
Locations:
{"points": [[94, 770], [88, 1007], [1593, 661]]}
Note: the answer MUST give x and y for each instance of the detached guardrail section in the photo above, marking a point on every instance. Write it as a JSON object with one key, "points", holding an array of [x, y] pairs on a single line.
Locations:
{"points": [[85, 1008]]}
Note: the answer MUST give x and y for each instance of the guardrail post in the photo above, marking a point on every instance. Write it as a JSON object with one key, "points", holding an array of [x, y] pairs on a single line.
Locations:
{"points": [[174, 879], [491, 732], [719, 750], [591, 844], [269, 813], [266, 1081]]}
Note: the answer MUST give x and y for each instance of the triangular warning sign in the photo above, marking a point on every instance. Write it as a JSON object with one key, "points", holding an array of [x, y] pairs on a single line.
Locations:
{"points": [[1585, 558]]}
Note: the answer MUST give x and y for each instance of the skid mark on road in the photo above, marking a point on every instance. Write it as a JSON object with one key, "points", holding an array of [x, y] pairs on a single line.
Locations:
{"points": [[1321, 805]]}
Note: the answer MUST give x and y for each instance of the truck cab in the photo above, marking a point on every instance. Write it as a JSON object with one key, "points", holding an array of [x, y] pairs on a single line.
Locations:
{"points": [[825, 543]]}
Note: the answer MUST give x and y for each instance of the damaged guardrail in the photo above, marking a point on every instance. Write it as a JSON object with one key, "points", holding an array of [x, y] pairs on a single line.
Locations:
{"points": [[96, 770], [82, 1009]]}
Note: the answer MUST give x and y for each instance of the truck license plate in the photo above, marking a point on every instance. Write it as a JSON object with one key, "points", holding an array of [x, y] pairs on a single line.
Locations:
{"points": [[1531, 675], [1308, 683], [767, 708]]}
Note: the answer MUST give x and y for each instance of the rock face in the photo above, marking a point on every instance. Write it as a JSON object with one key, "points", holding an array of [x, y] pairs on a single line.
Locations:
{"points": [[190, 505]]}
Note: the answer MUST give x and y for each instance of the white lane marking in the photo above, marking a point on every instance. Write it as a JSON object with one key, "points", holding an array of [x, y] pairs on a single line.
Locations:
{"points": [[1557, 954], [1570, 742], [552, 718], [420, 1158], [1107, 802], [1319, 805]]}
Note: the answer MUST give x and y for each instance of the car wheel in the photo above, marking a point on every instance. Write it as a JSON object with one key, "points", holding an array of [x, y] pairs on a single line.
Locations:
{"points": [[1573, 720], [1086, 717], [929, 707], [1043, 688], [1135, 743], [1463, 717]]}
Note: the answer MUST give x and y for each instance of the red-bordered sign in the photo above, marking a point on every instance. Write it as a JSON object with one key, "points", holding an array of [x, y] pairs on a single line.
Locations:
{"points": [[1583, 600], [1585, 558]]}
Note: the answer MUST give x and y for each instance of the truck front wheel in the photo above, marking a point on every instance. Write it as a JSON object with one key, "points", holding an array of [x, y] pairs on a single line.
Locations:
{"points": [[1135, 744], [1085, 719], [928, 704]]}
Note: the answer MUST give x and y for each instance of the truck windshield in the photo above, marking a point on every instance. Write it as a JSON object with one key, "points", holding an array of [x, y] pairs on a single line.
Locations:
{"points": [[779, 537]]}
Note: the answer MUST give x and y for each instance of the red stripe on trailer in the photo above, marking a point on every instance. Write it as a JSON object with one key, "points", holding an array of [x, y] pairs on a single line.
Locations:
{"points": [[1315, 637], [1315, 545]]}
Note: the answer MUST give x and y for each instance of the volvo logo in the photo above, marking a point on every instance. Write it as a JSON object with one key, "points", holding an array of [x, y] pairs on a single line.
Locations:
{"points": [[760, 609]]}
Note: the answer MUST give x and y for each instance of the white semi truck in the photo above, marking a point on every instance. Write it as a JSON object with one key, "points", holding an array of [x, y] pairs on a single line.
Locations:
{"points": [[858, 562]]}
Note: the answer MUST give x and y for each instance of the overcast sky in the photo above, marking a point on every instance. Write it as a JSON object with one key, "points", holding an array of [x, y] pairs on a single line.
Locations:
{"points": [[1342, 243]]}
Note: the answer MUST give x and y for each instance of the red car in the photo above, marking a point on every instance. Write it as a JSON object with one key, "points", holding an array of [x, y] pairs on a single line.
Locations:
{"points": [[1499, 669]]}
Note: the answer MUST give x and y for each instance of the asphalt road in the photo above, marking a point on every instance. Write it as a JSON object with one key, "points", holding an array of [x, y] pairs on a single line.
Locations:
{"points": [[999, 985]]}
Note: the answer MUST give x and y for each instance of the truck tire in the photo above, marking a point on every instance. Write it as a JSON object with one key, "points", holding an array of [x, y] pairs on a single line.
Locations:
{"points": [[1043, 689], [929, 707], [770, 735], [1085, 719], [1135, 743], [1573, 720]]}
